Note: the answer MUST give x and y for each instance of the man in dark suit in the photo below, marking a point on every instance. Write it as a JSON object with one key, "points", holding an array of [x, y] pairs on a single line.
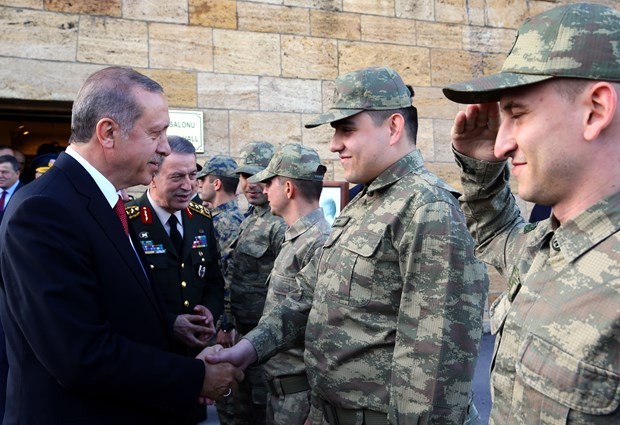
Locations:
{"points": [[88, 340], [9, 183]]}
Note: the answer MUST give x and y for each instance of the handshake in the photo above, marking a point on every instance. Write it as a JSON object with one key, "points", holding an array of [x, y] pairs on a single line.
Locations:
{"points": [[224, 369]]}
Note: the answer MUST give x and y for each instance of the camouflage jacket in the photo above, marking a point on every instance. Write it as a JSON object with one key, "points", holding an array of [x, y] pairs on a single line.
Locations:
{"points": [[396, 319], [302, 241], [227, 219], [557, 356], [254, 251]]}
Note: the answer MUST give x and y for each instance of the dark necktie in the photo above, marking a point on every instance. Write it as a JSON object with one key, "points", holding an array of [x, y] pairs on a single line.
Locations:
{"points": [[175, 236], [119, 209], [2, 198]]}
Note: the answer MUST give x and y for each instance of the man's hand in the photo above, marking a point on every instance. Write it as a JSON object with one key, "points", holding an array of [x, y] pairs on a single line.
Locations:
{"points": [[194, 330], [474, 131], [221, 380], [241, 355]]}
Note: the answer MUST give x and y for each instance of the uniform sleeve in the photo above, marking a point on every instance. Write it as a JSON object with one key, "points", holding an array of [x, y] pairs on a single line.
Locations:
{"points": [[213, 298], [439, 324], [491, 212], [285, 325]]}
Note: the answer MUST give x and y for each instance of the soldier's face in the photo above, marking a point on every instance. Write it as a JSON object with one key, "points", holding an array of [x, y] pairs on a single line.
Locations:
{"points": [[361, 147], [173, 187], [275, 189], [206, 188], [253, 191]]}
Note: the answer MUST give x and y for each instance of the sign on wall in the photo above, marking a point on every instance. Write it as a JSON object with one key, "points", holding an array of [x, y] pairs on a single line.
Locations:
{"points": [[188, 124]]}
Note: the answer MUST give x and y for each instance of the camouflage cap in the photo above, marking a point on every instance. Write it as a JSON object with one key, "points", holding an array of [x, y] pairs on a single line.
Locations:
{"points": [[295, 161], [255, 156], [576, 41], [218, 165], [368, 89]]}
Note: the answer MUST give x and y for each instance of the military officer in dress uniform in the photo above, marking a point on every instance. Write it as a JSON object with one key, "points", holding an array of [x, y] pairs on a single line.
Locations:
{"points": [[178, 238]]}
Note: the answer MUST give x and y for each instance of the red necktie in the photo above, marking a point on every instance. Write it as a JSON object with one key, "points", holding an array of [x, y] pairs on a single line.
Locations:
{"points": [[119, 209], [2, 198]]}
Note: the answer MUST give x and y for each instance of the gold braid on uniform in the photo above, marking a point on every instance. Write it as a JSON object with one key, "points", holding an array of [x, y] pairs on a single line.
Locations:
{"points": [[200, 209], [132, 211]]}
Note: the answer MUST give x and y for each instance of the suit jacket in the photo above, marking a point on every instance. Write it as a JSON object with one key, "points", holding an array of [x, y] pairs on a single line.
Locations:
{"points": [[87, 337], [19, 186], [188, 278]]}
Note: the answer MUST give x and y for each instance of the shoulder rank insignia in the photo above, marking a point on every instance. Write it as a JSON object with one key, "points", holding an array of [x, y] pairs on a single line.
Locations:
{"points": [[132, 211], [200, 209]]}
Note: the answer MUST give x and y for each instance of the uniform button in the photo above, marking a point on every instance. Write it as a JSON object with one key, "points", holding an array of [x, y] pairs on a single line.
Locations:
{"points": [[186, 303], [555, 245], [182, 265], [152, 266], [184, 284]]}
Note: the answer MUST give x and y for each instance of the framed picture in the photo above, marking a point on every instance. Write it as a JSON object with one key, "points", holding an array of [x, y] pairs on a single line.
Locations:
{"points": [[334, 197]]}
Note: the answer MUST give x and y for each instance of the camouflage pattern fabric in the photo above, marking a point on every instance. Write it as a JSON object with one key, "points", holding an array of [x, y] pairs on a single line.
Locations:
{"points": [[254, 157], [301, 242], [396, 319], [557, 329], [254, 251], [218, 165], [227, 219], [295, 161], [375, 88], [574, 41]]}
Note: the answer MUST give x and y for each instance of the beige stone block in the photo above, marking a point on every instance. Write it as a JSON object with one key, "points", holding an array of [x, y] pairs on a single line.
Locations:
{"points": [[327, 5], [488, 40], [238, 52], [370, 7], [419, 9], [454, 11], [38, 35], [276, 128], [412, 63], [309, 57], [216, 132], [275, 19], [180, 47], [450, 66], [424, 140], [42, 80], [439, 35], [224, 91], [86, 7], [173, 11], [179, 86], [213, 13], [431, 103], [290, 95], [506, 13], [388, 30], [319, 138], [31, 4], [476, 12], [441, 135], [345, 26], [492, 64], [328, 94], [448, 172], [113, 41]]}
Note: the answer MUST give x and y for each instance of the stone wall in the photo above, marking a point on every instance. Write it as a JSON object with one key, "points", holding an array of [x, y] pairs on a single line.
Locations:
{"points": [[259, 69]]}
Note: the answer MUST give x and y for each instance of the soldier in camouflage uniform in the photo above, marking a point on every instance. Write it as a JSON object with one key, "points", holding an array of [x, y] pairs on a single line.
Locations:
{"points": [[393, 333], [557, 357], [218, 186], [294, 180], [254, 251]]}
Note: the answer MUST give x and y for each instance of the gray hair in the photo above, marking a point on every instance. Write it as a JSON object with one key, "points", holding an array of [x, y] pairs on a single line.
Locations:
{"points": [[108, 93]]}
